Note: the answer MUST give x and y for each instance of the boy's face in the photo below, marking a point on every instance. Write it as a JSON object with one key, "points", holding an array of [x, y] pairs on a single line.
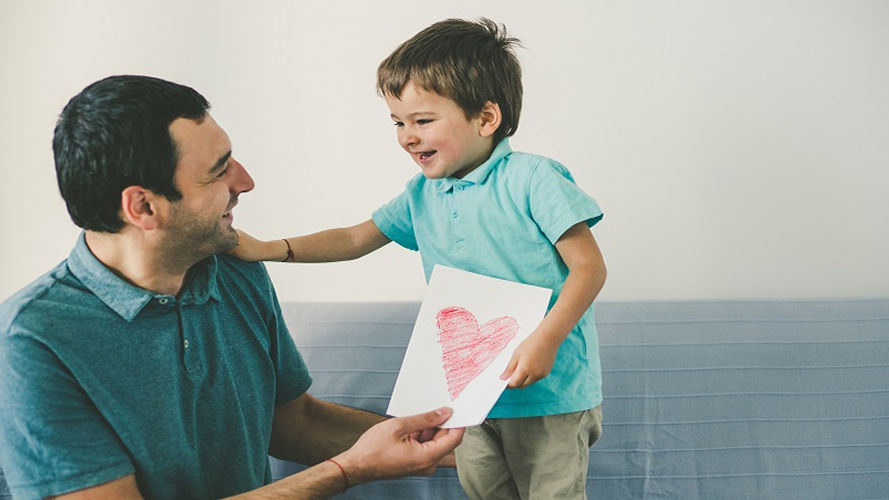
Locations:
{"points": [[434, 130]]}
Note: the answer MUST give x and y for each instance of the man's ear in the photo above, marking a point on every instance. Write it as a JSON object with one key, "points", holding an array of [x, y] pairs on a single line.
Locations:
{"points": [[490, 119], [139, 207]]}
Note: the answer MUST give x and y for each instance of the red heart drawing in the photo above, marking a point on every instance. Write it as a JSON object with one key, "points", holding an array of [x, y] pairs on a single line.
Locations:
{"points": [[466, 348]]}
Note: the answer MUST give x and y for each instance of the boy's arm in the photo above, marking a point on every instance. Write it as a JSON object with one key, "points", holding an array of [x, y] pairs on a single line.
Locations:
{"points": [[331, 245], [534, 357]]}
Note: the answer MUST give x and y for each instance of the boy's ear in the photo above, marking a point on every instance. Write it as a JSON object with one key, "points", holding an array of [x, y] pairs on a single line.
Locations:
{"points": [[139, 207], [490, 119]]}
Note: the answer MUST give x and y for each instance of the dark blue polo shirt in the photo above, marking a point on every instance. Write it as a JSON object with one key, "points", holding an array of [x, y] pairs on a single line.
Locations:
{"points": [[100, 379]]}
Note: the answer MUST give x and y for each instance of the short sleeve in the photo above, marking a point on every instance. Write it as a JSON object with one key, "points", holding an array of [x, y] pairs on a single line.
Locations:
{"points": [[291, 373], [557, 203], [52, 438], [395, 221]]}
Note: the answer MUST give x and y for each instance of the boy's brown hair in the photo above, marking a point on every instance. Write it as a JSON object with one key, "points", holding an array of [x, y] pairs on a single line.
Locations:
{"points": [[467, 62]]}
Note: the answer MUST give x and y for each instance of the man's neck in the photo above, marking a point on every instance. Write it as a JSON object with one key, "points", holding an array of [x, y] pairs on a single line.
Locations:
{"points": [[137, 259]]}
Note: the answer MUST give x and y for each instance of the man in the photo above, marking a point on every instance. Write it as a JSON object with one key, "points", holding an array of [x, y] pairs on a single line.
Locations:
{"points": [[148, 365]]}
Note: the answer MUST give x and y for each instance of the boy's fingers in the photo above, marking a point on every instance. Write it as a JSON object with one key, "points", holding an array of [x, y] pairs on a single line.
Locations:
{"points": [[518, 379], [507, 373]]}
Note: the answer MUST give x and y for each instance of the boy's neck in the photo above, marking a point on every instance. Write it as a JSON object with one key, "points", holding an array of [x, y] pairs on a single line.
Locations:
{"points": [[491, 146]]}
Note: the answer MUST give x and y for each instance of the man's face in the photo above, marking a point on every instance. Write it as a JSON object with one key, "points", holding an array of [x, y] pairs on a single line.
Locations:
{"points": [[210, 180]]}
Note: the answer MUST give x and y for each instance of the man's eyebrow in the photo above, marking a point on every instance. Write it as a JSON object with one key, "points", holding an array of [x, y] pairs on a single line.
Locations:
{"points": [[220, 163]]}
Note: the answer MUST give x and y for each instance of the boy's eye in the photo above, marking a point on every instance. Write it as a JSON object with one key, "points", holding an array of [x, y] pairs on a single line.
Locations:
{"points": [[398, 124], [423, 121]]}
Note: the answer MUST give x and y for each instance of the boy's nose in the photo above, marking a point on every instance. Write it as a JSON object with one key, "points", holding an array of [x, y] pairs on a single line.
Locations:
{"points": [[408, 137]]}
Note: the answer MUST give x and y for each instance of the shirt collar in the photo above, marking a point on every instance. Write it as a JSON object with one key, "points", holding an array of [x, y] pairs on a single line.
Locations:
{"points": [[480, 173], [128, 300]]}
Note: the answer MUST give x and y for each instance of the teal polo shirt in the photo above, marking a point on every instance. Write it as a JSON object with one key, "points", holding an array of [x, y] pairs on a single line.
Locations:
{"points": [[502, 220], [100, 379]]}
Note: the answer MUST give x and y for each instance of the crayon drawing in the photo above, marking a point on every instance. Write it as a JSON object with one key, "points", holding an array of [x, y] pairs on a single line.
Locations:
{"points": [[466, 348], [466, 331]]}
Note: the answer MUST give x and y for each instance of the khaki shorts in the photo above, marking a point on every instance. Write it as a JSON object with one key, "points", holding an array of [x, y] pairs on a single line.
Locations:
{"points": [[529, 458]]}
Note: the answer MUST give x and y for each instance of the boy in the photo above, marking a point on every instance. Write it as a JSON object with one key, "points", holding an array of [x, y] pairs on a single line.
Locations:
{"points": [[454, 91]]}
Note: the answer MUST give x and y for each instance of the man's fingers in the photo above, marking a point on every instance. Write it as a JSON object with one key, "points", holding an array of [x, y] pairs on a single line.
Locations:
{"points": [[424, 435], [446, 440], [416, 423]]}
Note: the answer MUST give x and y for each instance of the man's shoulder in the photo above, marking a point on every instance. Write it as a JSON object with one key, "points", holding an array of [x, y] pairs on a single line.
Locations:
{"points": [[229, 264], [232, 271], [23, 304]]}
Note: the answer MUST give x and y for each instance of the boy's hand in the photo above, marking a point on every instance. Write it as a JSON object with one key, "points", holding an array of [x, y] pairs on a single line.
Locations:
{"points": [[532, 360], [252, 249]]}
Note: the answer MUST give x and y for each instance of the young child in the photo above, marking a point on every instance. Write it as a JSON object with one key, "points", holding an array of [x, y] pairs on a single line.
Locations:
{"points": [[455, 94]]}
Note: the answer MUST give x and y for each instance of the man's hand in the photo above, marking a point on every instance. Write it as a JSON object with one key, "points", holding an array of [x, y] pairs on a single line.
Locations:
{"points": [[449, 460], [531, 361], [401, 447]]}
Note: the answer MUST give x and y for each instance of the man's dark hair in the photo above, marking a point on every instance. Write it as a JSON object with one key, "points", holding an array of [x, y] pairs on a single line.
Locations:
{"points": [[113, 134], [467, 62]]}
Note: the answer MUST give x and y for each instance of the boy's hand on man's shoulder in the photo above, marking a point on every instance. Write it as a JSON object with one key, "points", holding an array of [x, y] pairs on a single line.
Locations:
{"points": [[250, 249]]}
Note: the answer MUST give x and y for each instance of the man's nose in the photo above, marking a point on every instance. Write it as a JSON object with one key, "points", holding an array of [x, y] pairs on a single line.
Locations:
{"points": [[241, 181]]}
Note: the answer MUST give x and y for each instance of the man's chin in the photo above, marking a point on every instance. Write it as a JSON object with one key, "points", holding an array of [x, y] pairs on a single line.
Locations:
{"points": [[227, 243]]}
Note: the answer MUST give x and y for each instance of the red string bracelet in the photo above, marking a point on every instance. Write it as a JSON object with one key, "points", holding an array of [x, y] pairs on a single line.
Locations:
{"points": [[289, 251], [345, 476]]}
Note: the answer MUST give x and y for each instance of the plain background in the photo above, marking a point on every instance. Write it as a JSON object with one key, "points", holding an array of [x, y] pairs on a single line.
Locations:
{"points": [[739, 149]]}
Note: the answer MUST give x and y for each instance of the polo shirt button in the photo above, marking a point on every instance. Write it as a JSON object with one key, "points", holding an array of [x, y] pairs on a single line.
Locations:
{"points": [[163, 301], [186, 343], [454, 215]]}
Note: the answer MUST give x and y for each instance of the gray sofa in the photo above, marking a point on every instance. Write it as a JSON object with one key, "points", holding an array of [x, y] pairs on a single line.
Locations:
{"points": [[704, 400]]}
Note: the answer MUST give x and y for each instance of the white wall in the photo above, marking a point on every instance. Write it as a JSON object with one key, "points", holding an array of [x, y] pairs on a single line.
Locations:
{"points": [[739, 149]]}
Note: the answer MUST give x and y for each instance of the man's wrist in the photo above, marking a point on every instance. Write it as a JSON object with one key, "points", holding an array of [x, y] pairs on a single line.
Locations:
{"points": [[350, 468], [346, 482]]}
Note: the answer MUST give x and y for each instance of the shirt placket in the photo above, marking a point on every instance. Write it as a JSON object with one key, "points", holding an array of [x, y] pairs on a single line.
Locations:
{"points": [[458, 242], [188, 338]]}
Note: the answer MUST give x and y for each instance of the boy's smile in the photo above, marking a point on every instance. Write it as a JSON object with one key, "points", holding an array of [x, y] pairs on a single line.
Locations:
{"points": [[434, 130]]}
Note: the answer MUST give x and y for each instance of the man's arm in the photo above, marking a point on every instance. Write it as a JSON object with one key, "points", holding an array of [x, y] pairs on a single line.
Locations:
{"points": [[123, 489], [392, 448], [331, 245], [334, 429], [308, 430]]}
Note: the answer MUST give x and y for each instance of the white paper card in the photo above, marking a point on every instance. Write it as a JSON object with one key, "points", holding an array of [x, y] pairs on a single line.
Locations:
{"points": [[466, 331]]}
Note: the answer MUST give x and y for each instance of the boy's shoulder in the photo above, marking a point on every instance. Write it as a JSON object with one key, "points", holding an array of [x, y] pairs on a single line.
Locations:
{"points": [[523, 169], [530, 162]]}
